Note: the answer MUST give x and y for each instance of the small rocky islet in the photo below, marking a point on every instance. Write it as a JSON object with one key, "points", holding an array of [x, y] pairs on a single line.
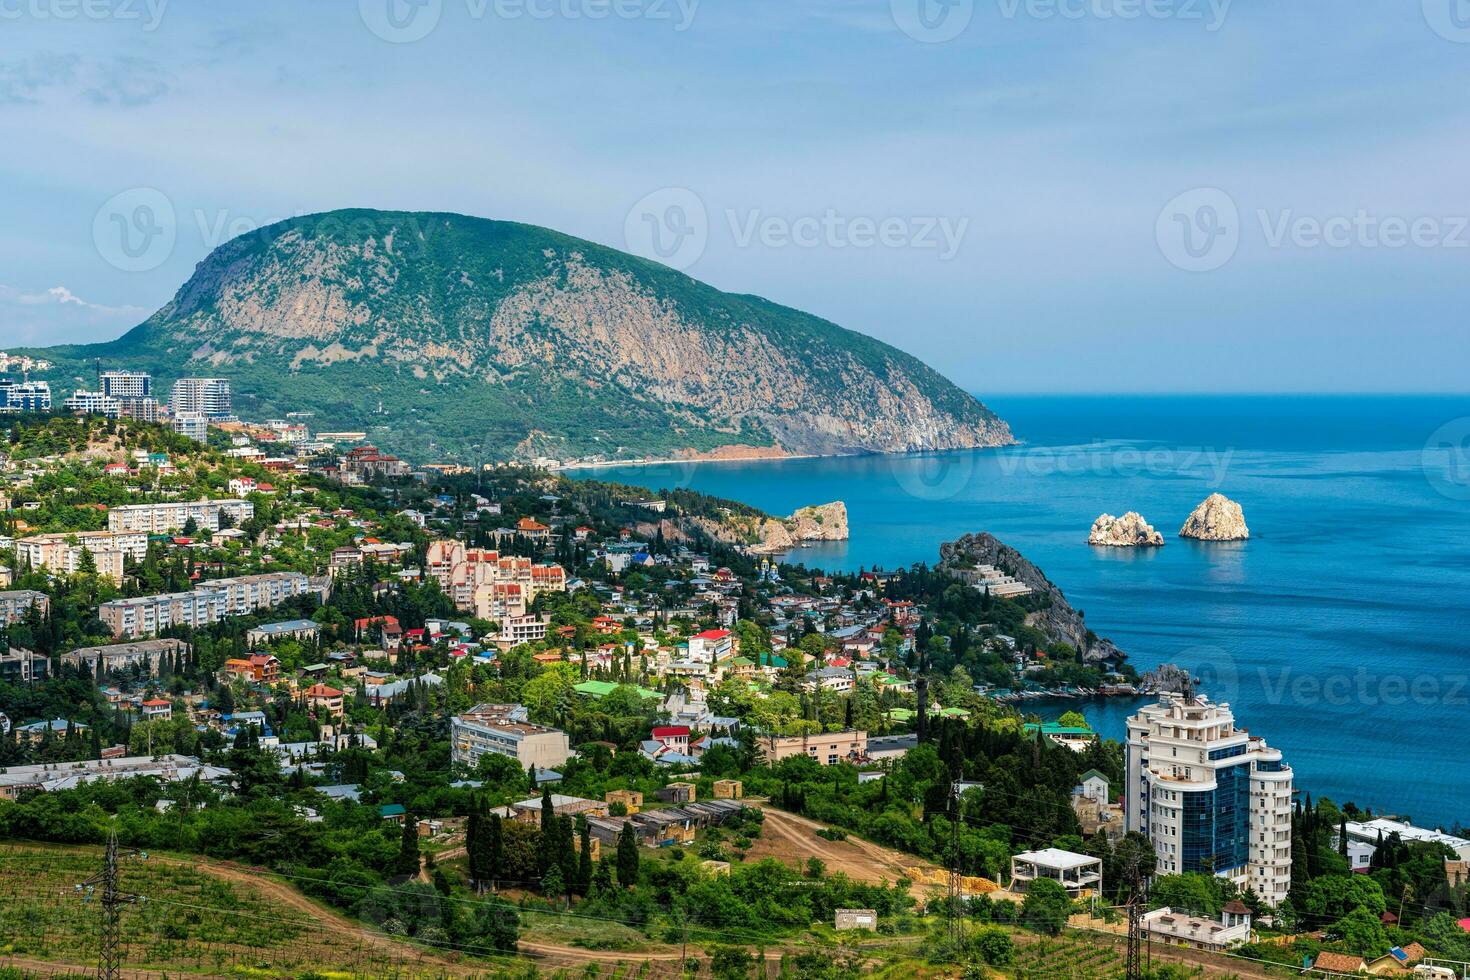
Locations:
{"points": [[1217, 518]]}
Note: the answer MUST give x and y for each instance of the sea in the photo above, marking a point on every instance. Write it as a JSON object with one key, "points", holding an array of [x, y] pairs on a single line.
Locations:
{"points": [[1340, 632]]}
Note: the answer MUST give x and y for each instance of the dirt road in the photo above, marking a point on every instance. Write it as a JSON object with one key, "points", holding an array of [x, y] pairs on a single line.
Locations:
{"points": [[792, 839]]}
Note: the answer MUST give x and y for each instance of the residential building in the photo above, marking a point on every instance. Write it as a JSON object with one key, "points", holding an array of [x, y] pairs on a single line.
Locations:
{"points": [[52, 777], [247, 593], [157, 709], [62, 553], [515, 630], [92, 403], [529, 810], [19, 666], [25, 396], [365, 463], [1210, 797], [15, 606], [505, 729], [828, 749], [490, 584], [125, 384], [1214, 935], [192, 425], [147, 654], [1369, 832], [148, 615], [1079, 874], [209, 397], [845, 919], [168, 516], [326, 698], [711, 646], [293, 629]]}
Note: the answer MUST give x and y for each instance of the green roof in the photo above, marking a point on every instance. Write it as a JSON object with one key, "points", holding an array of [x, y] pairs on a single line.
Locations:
{"points": [[1052, 728], [954, 713], [601, 689], [772, 660], [902, 714], [391, 810]]}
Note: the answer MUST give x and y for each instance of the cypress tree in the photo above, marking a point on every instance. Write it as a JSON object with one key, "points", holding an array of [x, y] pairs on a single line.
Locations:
{"points": [[584, 857], [627, 857]]}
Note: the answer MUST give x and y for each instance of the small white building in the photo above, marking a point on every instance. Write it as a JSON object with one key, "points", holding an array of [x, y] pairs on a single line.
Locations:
{"points": [[1177, 929], [1079, 874]]}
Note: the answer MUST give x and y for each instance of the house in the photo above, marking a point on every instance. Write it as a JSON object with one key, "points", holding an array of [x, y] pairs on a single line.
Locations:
{"points": [[828, 749], [1328, 963], [884, 747], [393, 812], [157, 709], [711, 646], [531, 528], [1397, 960], [1177, 929], [1094, 787], [1079, 874], [328, 699], [673, 737]]}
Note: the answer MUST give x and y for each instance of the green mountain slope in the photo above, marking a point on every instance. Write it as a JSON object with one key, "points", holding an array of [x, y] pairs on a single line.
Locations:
{"points": [[461, 337]]}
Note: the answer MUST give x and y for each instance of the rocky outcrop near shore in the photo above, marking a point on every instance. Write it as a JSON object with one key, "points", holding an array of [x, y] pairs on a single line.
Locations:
{"points": [[1053, 614], [1128, 531], [778, 535], [1217, 518]]}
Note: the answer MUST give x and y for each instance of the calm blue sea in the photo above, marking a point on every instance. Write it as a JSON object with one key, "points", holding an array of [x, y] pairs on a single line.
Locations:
{"points": [[1340, 631]]}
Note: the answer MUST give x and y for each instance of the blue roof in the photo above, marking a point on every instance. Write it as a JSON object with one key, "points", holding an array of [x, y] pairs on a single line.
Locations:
{"points": [[289, 626]]}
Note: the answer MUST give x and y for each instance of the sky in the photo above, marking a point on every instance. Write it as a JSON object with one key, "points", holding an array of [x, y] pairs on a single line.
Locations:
{"points": [[1030, 195]]}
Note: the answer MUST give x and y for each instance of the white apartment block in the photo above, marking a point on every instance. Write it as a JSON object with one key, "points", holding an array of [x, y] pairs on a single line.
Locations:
{"points": [[192, 425], [247, 593], [147, 615], [504, 729], [207, 396], [210, 602], [173, 515], [62, 553], [125, 384], [92, 403], [1209, 796]]}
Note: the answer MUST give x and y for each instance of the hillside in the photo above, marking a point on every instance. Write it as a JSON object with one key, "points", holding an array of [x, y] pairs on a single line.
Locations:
{"points": [[461, 336]]}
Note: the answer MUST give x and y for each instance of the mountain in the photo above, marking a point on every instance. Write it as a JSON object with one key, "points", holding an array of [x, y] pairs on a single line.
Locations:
{"points": [[451, 336]]}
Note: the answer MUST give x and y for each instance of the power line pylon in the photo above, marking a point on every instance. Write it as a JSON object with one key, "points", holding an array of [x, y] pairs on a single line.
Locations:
{"points": [[956, 881], [109, 959]]}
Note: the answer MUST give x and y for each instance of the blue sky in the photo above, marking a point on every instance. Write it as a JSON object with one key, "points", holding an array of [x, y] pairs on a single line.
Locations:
{"points": [[1032, 195]]}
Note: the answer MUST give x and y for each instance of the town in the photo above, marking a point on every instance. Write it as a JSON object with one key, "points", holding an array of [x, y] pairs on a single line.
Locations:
{"points": [[489, 713]]}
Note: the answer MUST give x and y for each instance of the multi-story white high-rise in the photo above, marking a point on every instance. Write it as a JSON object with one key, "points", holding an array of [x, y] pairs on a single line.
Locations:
{"points": [[24, 396], [194, 425], [209, 396], [125, 384], [1210, 797], [92, 403], [174, 514]]}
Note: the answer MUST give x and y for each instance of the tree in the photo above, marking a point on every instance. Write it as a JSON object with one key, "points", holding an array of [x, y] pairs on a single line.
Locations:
{"points": [[584, 856], [1192, 892], [1331, 897], [408, 847], [627, 857], [1362, 933], [1046, 907], [994, 946], [1073, 719], [729, 963]]}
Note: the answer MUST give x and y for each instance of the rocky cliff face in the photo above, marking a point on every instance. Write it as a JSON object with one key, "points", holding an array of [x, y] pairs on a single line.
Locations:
{"points": [[1128, 531], [1055, 616], [519, 342], [1217, 518], [778, 535]]}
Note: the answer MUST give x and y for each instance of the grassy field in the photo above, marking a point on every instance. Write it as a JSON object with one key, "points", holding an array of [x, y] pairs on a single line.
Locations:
{"points": [[187, 921]]}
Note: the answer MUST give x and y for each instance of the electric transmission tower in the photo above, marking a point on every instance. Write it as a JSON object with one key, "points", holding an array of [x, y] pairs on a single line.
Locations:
{"points": [[109, 960], [956, 880], [1137, 902]]}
